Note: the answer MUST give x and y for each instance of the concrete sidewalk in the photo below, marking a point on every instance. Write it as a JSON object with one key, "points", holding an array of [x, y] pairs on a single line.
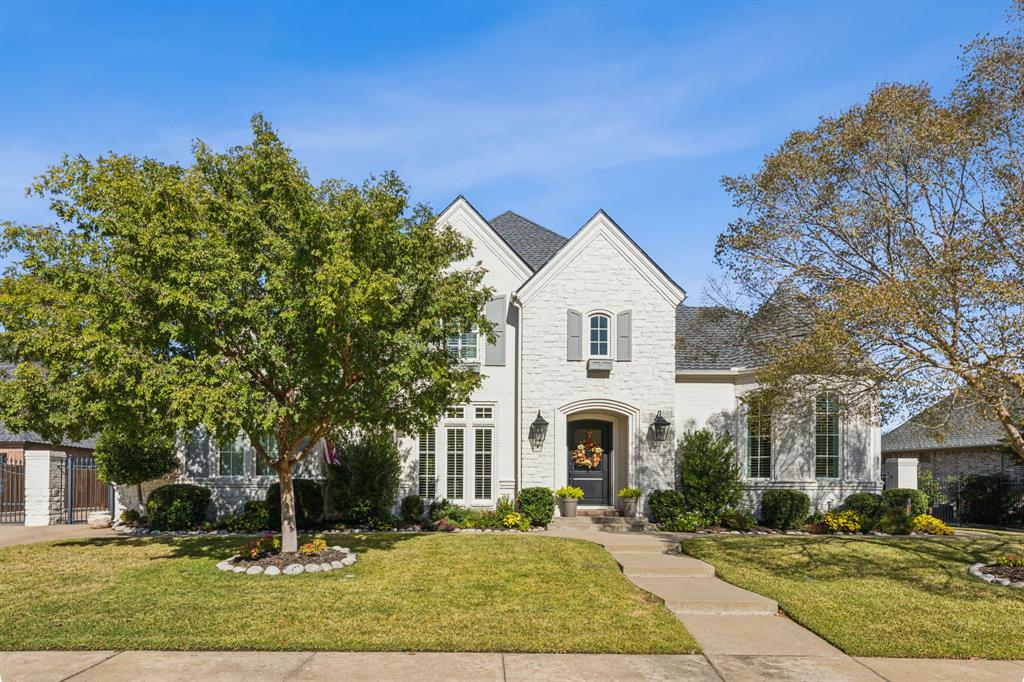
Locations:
{"points": [[170, 666], [11, 534]]}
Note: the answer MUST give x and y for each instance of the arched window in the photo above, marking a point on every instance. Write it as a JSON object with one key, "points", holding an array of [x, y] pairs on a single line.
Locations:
{"points": [[599, 324], [826, 437]]}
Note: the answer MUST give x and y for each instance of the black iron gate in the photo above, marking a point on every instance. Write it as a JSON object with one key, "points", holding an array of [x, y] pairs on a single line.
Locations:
{"points": [[982, 500], [85, 492], [12, 492]]}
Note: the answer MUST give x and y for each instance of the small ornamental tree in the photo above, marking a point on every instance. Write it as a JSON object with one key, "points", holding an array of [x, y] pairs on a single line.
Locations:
{"points": [[709, 476], [236, 294], [132, 458]]}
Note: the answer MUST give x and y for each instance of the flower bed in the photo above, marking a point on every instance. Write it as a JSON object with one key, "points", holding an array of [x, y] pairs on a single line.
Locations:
{"points": [[290, 563], [1008, 569]]}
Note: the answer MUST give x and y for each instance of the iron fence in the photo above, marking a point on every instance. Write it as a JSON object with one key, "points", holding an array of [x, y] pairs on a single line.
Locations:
{"points": [[85, 492], [12, 492], [993, 500]]}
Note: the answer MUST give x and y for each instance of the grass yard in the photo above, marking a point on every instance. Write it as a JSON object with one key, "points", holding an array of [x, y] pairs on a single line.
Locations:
{"points": [[433, 592], [881, 596]]}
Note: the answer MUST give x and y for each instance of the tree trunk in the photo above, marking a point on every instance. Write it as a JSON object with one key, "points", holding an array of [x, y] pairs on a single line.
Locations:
{"points": [[289, 534], [142, 502], [1013, 434]]}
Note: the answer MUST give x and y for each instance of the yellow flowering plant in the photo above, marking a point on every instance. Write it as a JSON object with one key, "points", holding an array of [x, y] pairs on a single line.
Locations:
{"points": [[317, 546], [923, 523], [843, 521]]}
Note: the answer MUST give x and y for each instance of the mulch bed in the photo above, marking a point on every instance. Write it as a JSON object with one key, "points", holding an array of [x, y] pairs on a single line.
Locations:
{"points": [[1015, 574], [283, 559]]}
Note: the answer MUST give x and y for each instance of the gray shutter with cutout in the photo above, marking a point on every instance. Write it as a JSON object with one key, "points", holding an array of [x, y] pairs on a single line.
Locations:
{"points": [[495, 353], [624, 336], [574, 335]]}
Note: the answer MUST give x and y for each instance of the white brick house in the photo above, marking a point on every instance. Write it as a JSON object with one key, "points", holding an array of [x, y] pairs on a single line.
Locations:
{"points": [[593, 337]]}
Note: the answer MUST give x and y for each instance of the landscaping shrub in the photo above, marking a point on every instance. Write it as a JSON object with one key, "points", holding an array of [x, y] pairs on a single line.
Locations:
{"points": [[439, 509], [266, 544], [709, 477], [923, 523], [897, 498], [736, 519], [868, 505], [686, 522], [895, 521], [309, 502], [784, 509], [848, 521], [987, 499], [315, 547], [177, 506], [412, 509], [130, 516], [516, 520], [504, 507], [255, 518], [386, 521], [364, 480], [665, 505], [132, 456], [927, 484], [537, 505]]}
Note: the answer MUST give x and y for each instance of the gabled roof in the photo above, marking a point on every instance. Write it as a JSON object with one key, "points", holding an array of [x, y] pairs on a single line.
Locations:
{"points": [[534, 243], [712, 338], [946, 425]]}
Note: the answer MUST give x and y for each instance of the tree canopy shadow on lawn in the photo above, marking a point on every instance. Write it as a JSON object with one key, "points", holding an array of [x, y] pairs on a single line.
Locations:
{"points": [[220, 547]]}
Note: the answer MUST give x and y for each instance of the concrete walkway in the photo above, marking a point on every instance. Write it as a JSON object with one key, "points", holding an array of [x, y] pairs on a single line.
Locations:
{"points": [[11, 534], [744, 636]]}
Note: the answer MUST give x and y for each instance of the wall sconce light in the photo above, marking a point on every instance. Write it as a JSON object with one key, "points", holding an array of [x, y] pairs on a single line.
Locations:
{"points": [[538, 432], [661, 428]]}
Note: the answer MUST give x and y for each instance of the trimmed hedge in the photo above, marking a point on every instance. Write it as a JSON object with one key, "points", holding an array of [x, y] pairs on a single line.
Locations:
{"points": [[896, 498], [309, 502], [868, 505], [537, 505], [177, 506], [412, 509], [785, 509], [665, 505]]}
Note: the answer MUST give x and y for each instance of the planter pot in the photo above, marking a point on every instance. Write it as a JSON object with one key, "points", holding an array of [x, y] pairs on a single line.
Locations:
{"points": [[629, 507], [568, 508]]}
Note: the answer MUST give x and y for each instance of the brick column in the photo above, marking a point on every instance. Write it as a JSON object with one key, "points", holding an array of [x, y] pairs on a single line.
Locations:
{"points": [[45, 475]]}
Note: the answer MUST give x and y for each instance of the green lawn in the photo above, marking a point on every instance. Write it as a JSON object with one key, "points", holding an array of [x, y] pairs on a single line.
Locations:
{"points": [[433, 592], [881, 596]]}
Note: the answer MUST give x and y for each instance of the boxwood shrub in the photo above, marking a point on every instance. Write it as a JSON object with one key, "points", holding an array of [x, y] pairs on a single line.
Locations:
{"points": [[665, 505], [868, 505], [536, 504], [412, 509], [896, 498], [177, 506], [309, 502], [784, 509]]}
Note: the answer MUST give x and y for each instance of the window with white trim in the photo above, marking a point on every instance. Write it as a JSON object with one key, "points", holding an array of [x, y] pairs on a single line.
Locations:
{"points": [[231, 456], [463, 346], [270, 447], [454, 474], [484, 449], [826, 437], [483, 412], [427, 465], [759, 441], [599, 325], [455, 412]]}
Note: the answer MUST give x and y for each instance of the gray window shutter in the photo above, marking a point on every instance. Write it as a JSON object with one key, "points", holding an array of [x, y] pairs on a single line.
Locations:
{"points": [[624, 332], [197, 453], [574, 335], [495, 352]]}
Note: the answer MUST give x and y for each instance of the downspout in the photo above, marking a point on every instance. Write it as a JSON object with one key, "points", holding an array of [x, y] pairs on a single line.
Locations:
{"points": [[517, 445]]}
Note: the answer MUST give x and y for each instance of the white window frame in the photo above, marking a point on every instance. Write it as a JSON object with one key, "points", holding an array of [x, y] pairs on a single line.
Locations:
{"points": [[757, 412], [607, 317], [459, 346], [465, 419], [242, 446], [423, 482], [837, 434]]}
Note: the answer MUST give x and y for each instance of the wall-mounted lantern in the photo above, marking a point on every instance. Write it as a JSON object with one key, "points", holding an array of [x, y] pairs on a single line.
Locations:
{"points": [[538, 432], [661, 428]]}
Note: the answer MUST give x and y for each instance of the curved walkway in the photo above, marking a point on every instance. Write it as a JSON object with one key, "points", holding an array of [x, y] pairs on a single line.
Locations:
{"points": [[745, 637]]}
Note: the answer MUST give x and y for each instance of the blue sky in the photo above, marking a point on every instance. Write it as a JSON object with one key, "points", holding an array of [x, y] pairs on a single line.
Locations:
{"points": [[552, 110]]}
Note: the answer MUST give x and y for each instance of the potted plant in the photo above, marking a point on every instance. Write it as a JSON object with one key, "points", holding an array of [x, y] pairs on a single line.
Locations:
{"points": [[568, 496], [629, 497]]}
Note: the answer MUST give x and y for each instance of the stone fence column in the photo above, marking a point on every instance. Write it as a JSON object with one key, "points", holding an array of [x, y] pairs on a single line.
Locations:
{"points": [[45, 476], [901, 472]]}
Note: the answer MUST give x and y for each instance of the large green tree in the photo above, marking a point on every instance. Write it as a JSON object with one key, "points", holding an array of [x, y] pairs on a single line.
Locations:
{"points": [[233, 293], [885, 246]]}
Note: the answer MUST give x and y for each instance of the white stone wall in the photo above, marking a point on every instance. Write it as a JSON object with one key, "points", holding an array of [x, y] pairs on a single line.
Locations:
{"points": [[45, 472], [600, 271], [505, 273]]}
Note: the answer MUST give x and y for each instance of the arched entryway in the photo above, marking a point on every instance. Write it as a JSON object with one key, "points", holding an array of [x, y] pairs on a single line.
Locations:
{"points": [[611, 425]]}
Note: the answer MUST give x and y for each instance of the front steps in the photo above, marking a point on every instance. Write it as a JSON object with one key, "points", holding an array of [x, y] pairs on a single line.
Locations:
{"points": [[601, 520]]}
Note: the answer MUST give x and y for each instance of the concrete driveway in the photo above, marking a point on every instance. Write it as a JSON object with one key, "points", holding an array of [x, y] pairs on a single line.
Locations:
{"points": [[11, 534]]}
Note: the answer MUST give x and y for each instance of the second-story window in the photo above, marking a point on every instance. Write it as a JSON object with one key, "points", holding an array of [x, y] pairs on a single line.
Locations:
{"points": [[463, 346], [599, 335]]}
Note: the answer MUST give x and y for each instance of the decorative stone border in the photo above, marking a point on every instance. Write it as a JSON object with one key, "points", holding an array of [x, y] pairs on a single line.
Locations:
{"points": [[291, 569], [976, 571]]}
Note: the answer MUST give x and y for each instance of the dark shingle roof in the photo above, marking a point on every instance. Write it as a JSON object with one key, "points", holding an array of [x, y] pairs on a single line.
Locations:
{"points": [[943, 426], [534, 243], [712, 338]]}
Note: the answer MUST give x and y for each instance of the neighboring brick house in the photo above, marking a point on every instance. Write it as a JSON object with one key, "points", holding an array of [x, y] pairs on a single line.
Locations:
{"points": [[593, 339], [953, 440], [13, 445]]}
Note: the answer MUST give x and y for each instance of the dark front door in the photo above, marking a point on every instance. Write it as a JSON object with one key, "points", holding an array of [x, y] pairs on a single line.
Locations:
{"points": [[596, 481]]}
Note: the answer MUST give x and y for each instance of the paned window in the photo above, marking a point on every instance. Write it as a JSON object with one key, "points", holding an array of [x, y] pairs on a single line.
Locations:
{"points": [[232, 457], [759, 441], [270, 447], [826, 437], [484, 412], [456, 463], [484, 456], [599, 335], [457, 412], [463, 346], [427, 465]]}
